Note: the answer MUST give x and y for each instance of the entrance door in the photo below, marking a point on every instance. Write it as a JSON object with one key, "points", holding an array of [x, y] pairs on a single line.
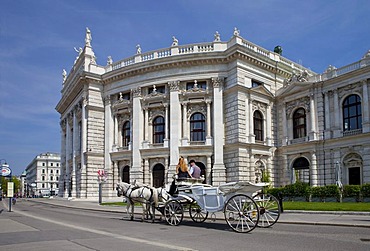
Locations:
{"points": [[158, 175], [354, 176], [126, 174]]}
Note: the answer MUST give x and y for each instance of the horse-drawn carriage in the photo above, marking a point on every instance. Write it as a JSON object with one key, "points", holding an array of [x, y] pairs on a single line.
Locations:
{"points": [[243, 205]]}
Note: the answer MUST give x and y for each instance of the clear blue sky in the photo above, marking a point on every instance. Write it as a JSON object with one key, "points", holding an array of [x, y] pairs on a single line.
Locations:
{"points": [[37, 38]]}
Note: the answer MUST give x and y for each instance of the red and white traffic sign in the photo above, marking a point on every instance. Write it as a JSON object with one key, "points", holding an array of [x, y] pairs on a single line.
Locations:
{"points": [[6, 171]]}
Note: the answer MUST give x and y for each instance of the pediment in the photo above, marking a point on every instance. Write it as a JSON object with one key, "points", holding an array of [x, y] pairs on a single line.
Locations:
{"points": [[262, 90], [294, 87]]}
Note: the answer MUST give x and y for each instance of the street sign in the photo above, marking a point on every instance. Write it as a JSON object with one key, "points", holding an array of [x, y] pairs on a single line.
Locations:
{"points": [[5, 171], [10, 189]]}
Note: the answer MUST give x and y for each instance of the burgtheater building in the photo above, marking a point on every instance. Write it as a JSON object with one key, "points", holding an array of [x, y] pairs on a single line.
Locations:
{"points": [[239, 110]]}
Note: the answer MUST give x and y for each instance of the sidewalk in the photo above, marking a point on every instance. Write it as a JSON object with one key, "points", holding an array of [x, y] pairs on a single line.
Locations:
{"points": [[336, 218]]}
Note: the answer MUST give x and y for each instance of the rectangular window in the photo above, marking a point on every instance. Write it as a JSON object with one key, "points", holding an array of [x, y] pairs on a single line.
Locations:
{"points": [[51, 164], [43, 170]]}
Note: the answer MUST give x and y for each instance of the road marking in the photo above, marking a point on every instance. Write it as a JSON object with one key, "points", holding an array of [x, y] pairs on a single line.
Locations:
{"points": [[117, 236]]}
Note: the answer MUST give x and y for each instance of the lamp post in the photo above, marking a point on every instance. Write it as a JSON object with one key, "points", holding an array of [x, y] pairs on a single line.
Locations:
{"points": [[7, 172]]}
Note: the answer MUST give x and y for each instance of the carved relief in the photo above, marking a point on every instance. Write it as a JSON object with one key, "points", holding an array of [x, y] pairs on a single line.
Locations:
{"points": [[352, 160], [303, 102], [218, 82], [351, 88], [259, 106], [196, 108], [154, 113], [136, 92], [174, 85]]}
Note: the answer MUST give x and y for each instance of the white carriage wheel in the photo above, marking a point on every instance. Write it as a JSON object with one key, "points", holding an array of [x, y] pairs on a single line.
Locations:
{"points": [[269, 209], [197, 214], [241, 213], [173, 212]]}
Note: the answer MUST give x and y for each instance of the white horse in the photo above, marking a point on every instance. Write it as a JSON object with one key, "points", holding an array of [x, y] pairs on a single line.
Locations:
{"points": [[147, 196]]}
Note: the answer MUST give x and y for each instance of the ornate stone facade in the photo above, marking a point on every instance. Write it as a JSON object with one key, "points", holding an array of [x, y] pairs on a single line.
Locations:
{"points": [[220, 103]]}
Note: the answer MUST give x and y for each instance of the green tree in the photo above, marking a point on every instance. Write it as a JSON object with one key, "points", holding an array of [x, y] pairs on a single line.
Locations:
{"points": [[4, 184]]}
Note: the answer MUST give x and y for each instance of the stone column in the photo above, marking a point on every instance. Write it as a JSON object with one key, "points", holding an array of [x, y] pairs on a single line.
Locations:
{"points": [[208, 170], [268, 126], [327, 131], [218, 169], [146, 128], [63, 160], [286, 171], [165, 141], [252, 138], [83, 191], [175, 125], [366, 104], [108, 143], [248, 128], [284, 125], [74, 150], [313, 171], [137, 136], [147, 177], [313, 117], [208, 137], [185, 136], [337, 127], [116, 133], [68, 157]]}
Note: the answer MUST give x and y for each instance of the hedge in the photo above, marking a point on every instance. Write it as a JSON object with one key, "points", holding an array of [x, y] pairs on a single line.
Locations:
{"points": [[300, 189]]}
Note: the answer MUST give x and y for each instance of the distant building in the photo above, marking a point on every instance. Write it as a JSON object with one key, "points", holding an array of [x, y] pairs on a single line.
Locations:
{"points": [[239, 110], [42, 175]]}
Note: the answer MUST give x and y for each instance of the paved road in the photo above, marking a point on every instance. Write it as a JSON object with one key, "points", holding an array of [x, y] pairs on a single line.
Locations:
{"points": [[359, 219], [48, 225]]}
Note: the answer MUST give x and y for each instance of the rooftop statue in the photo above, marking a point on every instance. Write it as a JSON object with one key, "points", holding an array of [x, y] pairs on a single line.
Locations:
{"points": [[236, 32], [64, 74], [109, 60], [175, 42], [138, 49], [88, 37], [217, 37]]}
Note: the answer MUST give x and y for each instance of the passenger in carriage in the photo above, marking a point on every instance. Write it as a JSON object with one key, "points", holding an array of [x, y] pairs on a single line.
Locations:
{"points": [[182, 170], [194, 170]]}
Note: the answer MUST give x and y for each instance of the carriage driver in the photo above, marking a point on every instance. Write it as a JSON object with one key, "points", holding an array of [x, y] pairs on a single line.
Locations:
{"points": [[194, 170]]}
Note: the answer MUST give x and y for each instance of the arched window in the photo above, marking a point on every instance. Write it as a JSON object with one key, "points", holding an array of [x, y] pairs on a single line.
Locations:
{"points": [[197, 127], [258, 125], [301, 168], [125, 174], [158, 175], [299, 124], [158, 130], [126, 134], [352, 115]]}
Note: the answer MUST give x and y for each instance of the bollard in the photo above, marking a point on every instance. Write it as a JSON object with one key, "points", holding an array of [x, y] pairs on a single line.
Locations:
{"points": [[280, 198]]}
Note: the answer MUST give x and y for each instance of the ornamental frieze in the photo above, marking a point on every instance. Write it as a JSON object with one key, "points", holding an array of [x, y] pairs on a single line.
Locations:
{"points": [[303, 102]]}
